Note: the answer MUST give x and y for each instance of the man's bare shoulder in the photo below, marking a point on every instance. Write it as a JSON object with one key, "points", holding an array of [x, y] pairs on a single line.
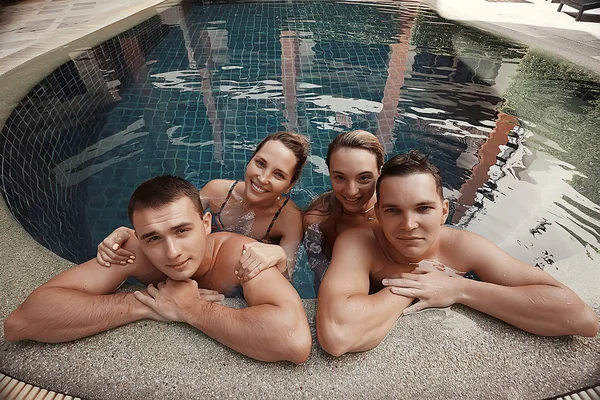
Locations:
{"points": [[365, 234], [226, 247], [454, 240], [356, 245]]}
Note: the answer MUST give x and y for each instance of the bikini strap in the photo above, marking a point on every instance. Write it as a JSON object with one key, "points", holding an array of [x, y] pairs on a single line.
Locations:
{"points": [[266, 237], [228, 196]]}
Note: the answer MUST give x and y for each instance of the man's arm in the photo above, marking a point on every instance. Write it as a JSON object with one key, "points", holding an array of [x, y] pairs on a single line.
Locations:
{"points": [[272, 328], [511, 290], [75, 304], [522, 295], [348, 318]]}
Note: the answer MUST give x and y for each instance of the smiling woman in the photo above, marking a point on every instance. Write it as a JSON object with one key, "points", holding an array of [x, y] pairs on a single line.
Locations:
{"points": [[354, 160]]}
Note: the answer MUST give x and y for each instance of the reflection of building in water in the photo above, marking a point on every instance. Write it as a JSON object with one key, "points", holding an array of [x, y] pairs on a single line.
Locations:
{"points": [[449, 101]]}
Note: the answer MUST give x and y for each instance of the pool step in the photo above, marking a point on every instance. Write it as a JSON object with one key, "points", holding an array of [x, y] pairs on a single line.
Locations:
{"points": [[12, 389], [592, 393]]}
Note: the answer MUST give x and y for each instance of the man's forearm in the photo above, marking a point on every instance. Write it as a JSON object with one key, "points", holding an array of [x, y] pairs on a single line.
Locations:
{"points": [[539, 309], [265, 332], [55, 315], [358, 322]]}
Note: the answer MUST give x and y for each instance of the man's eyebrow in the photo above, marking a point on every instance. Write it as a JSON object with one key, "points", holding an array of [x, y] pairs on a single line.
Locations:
{"points": [[181, 225], [360, 173], [422, 203], [147, 235]]}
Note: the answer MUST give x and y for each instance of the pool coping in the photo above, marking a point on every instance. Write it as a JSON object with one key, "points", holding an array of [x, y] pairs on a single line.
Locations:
{"points": [[480, 357]]}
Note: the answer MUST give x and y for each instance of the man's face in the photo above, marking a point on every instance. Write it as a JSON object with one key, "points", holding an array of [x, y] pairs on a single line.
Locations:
{"points": [[173, 237], [410, 213]]}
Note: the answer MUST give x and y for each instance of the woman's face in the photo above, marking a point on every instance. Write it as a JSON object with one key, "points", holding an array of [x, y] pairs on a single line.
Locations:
{"points": [[269, 173], [353, 174]]}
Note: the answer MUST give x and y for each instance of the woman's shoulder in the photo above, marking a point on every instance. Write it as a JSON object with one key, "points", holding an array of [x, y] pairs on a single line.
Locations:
{"points": [[290, 212], [216, 187], [314, 217]]}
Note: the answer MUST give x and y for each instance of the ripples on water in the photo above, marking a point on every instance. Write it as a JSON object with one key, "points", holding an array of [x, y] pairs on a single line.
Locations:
{"points": [[512, 132]]}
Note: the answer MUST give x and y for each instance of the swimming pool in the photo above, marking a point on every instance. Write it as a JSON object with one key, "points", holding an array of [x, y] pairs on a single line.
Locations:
{"points": [[192, 90]]}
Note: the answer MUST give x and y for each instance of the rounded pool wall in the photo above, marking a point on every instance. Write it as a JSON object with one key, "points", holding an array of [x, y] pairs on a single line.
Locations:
{"points": [[452, 353]]}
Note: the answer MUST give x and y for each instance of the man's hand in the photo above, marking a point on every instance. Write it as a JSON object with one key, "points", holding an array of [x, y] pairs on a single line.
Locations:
{"points": [[110, 250], [171, 299], [434, 284], [257, 257]]}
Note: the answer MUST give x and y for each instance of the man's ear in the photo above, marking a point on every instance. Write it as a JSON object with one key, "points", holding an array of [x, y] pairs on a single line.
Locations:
{"points": [[445, 211], [207, 221]]}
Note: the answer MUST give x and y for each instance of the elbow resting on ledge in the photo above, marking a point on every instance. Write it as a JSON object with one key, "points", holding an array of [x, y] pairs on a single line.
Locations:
{"points": [[296, 343], [333, 338], [589, 325], [299, 347], [13, 327]]}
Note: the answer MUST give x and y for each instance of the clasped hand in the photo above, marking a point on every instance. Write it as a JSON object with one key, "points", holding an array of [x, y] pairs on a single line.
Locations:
{"points": [[433, 283], [171, 300]]}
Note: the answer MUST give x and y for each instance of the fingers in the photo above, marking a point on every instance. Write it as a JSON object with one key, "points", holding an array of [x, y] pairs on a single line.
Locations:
{"points": [[107, 256], [420, 269], [415, 308], [252, 274], [144, 298], [152, 290], [256, 265], [399, 282], [100, 259], [405, 292], [248, 246]]}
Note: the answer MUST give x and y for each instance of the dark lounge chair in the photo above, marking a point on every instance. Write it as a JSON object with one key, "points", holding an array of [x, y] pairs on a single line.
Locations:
{"points": [[580, 5]]}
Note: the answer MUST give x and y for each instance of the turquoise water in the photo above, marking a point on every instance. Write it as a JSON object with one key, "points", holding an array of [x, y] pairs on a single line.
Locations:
{"points": [[192, 91]]}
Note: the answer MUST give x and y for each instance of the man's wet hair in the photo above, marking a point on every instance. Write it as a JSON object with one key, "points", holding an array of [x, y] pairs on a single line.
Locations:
{"points": [[410, 163], [161, 191]]}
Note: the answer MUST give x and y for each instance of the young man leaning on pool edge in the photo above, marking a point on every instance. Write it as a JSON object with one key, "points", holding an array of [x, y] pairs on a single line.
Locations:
{"points": [[372, 279], [175, 252]]}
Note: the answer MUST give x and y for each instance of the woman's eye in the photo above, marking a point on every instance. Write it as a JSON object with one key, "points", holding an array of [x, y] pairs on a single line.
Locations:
{"points": [[339, 177], [279, 175], [260, 163]]}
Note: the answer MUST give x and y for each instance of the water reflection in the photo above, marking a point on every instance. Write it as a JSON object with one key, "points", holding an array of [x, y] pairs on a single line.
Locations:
{"points": [[192, 92]]}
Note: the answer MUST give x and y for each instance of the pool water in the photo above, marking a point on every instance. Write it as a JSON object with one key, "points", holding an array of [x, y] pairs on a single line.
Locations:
{"points": [[193, 90]]}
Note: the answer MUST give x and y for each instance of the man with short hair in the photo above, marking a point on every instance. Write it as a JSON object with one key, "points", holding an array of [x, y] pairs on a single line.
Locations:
{"points": [[174, 251], [377, 271]]}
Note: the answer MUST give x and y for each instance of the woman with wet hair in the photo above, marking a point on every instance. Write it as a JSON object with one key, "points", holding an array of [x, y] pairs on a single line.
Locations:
{"points": [[256, 206], [354, 160]]}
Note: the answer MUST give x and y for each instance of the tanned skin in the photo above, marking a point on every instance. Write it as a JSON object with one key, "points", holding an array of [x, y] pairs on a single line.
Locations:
{"points": [[372, 279], [176, 256]]}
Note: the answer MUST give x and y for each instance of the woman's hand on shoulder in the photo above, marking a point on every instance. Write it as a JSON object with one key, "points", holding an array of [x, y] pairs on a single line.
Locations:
{"points": [[111, 251], [256, 257]]}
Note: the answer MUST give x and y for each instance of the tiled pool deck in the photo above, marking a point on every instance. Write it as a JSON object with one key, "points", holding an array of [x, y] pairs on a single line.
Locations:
{"points": [[454, 353]]}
